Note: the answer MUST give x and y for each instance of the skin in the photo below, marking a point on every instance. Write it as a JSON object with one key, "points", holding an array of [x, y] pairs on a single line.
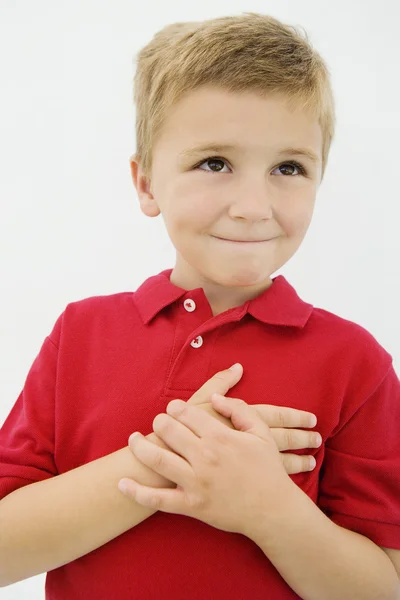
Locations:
{"points": [[250, 192]]}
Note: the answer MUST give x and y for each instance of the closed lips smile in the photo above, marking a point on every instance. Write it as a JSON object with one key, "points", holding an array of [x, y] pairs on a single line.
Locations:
{"points": [[241, 241]]}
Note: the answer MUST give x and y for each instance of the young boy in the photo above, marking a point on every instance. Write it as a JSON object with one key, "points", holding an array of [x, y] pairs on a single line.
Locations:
{"points": [[235, 117]]}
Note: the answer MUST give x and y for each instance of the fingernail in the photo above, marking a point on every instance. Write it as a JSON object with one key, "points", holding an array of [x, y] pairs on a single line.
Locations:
{"points": [[313, 421], [123, 487], [236, 367], [133, 436], [317, 440], [313, 462]]}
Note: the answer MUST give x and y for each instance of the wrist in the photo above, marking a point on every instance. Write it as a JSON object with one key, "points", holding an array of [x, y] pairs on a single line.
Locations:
{"points": [[292, 505]]}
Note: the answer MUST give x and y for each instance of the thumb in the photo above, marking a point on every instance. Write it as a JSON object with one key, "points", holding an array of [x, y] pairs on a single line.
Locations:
{"points": [[221, 382], [228, 378]]}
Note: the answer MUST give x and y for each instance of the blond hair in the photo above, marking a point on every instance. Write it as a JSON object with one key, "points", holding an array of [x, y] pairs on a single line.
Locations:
{"points": [[249, 52]]}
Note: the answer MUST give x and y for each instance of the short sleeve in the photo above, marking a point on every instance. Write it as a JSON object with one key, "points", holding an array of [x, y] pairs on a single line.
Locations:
{"points": [[27, 435], [360, 480]]}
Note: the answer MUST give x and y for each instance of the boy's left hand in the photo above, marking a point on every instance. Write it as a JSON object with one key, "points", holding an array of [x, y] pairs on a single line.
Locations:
{"points": [[228, 478]]}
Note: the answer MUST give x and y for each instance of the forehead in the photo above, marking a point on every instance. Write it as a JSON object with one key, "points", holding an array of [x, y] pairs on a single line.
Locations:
{"points": [[247, 117]]}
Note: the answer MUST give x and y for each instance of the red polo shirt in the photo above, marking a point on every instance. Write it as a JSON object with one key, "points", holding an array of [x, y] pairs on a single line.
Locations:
{"points": [[112, 363]]}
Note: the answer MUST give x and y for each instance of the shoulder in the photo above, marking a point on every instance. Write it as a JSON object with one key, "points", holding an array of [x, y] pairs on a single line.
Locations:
{"points": [[112, 307], [102, 304], [352, 359], [349, 339], [93, 316]]}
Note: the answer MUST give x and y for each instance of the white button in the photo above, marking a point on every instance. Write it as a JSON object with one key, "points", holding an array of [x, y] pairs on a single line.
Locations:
{"points": [[190, 305], [197, 342]]}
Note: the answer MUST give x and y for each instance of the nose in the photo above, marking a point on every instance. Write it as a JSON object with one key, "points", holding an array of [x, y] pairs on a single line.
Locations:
{"points": [[251, 202]]}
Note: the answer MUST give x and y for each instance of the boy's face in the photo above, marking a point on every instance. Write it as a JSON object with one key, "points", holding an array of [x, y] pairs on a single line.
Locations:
{"points": [[249, 192]]}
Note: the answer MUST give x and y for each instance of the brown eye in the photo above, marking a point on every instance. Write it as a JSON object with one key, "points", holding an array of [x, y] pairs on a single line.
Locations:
{"points": [[288, 168], [215, 164]]}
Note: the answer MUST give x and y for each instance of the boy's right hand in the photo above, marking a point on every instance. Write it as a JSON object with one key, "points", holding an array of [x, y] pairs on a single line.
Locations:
{"points": [[281, 419]]}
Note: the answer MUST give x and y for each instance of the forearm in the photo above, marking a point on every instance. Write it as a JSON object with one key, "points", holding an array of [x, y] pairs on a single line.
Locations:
{"points": [[318, 559], [47, 524], [50, 523]]}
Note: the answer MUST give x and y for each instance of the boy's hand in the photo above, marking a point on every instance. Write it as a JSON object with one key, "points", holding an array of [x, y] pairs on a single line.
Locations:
{"points": [[278, 419], [281, 419], [206, 463]]}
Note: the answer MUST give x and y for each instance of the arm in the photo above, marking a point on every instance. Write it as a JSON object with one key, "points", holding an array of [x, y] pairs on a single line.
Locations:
{"points": [[320, 559], [49, 523]]}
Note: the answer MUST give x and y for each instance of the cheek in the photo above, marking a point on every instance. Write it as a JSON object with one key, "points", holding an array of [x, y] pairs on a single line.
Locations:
{"points": [[192, 208], [296, 230], [295, 216]]}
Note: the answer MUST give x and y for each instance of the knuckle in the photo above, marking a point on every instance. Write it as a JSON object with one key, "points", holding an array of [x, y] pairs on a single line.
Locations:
{"points": [[261, 413], [183, 411], [295, 463], [267, 413], [195, 501], [158, 459], [209, 456], [287, 463], [289, 439], [281, 418], [220, 436], [237, 404], [278, 436], [155, 501]]}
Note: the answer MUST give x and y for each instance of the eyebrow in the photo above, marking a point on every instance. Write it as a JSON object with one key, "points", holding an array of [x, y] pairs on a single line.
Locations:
{"points": [[217, 148]]}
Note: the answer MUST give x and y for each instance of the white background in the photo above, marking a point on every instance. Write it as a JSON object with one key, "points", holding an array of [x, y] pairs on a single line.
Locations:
{"points": [[70, 224]]}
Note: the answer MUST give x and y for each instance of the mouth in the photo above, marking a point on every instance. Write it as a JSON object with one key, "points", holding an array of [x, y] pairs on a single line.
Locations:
{"points": [[242, 242]]}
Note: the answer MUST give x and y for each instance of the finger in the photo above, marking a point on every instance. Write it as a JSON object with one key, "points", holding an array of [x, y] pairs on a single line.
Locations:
{"points": [[221, 382], [294, 463], [295, 439], [284, 416], [171, 501], [285, 439], [207, 407], [163, 462], [178, 434], [243, 416], [198, 422]]}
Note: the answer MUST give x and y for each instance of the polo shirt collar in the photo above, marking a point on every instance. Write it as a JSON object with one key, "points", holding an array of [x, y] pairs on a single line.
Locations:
{"points": [[277, 305]]}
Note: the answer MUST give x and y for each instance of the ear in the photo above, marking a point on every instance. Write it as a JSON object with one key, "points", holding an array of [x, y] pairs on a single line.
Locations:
{"points": [[142, 184]]}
